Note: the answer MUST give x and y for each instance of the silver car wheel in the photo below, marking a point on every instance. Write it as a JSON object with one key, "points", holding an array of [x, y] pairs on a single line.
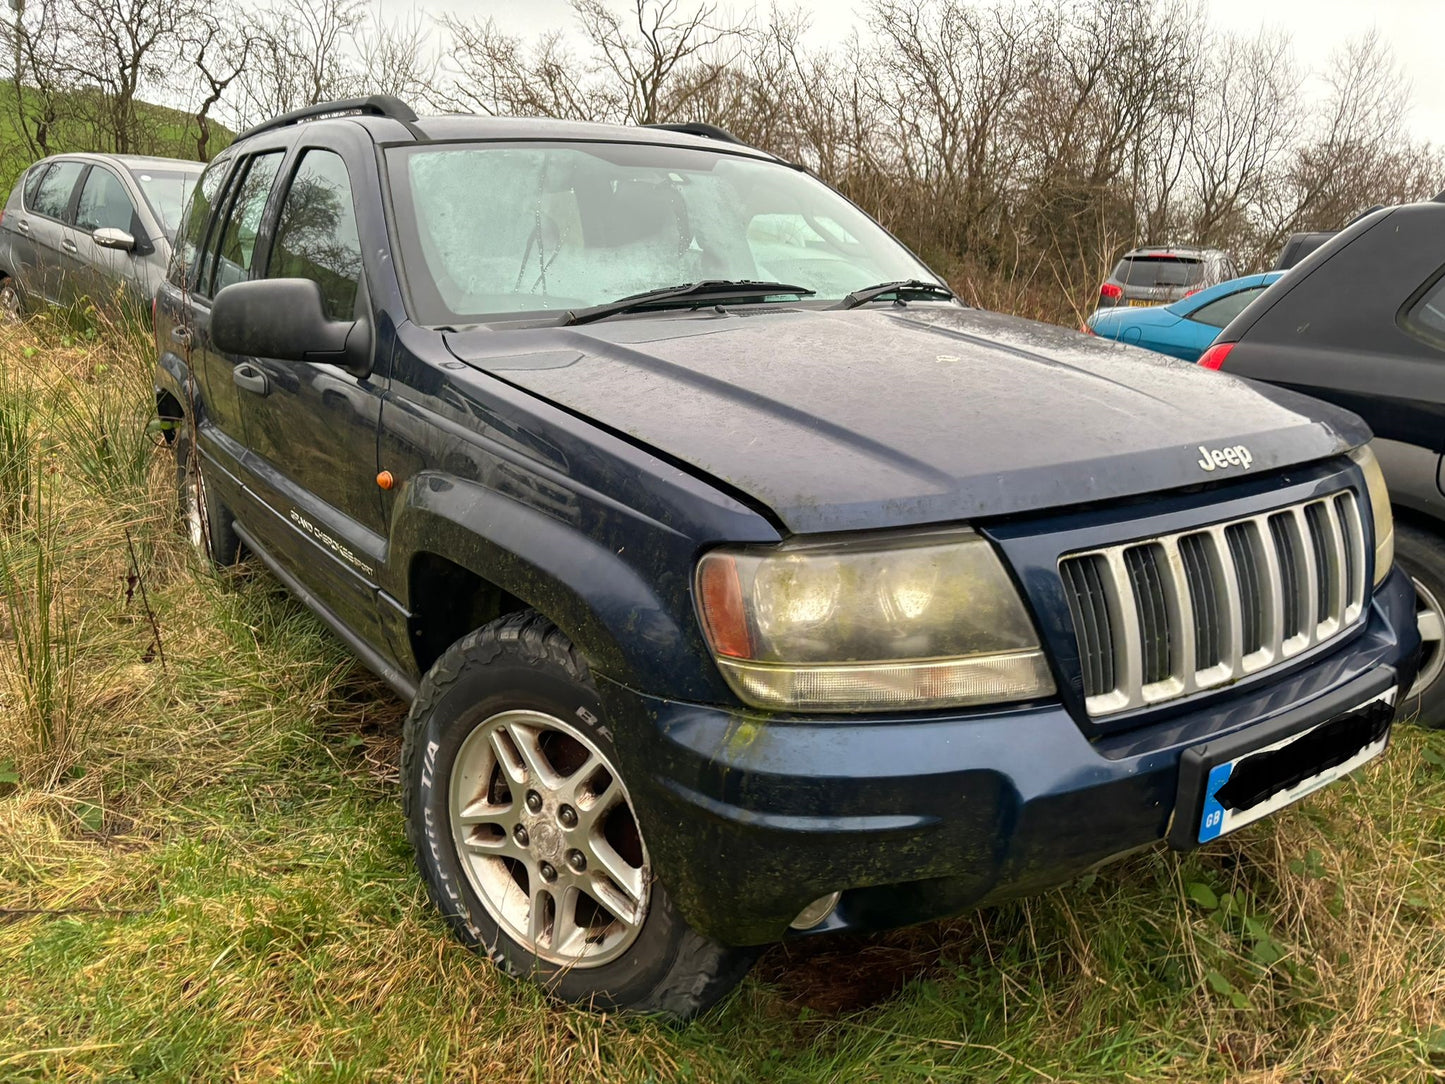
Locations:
{"points": [[195, 511], [1431, 621], [548, 838]]}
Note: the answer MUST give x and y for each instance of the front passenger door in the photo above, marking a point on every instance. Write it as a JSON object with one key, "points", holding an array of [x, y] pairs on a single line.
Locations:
{"points": [[100, 273], [311, 427]]}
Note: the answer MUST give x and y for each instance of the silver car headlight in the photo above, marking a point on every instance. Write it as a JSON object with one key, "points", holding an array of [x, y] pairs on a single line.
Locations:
{"points": [[929, 622], [1380, 509]]}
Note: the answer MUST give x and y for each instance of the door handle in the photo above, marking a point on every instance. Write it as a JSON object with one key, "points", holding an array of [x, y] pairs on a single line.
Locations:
{"points": [[181, 335], [251, 379], [68, 245], [23, 226]]}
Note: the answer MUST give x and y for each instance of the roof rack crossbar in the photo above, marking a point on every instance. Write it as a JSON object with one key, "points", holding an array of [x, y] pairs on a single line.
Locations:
{"points": [[698, 128], [375, 105]]}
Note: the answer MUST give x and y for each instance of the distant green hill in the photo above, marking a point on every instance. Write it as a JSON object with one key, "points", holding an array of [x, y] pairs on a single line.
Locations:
{"points": [[162, 130]]}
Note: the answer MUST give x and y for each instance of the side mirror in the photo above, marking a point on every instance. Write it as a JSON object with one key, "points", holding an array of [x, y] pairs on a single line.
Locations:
{"points": [[286, 319], [110, 237]]}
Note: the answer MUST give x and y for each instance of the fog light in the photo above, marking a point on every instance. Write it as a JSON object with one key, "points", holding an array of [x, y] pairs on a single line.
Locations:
{"points": [[816, 913]]}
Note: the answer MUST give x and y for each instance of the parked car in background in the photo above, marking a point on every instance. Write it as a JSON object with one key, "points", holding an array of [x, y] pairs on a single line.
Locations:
{"points": [[1361, 322], [1300, 245], [1186, 328], [1157, 275], [743, 583], [91, 225]]}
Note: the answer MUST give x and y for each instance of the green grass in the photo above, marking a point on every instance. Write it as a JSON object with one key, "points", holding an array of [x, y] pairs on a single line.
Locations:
{"points": [[205, 876]]}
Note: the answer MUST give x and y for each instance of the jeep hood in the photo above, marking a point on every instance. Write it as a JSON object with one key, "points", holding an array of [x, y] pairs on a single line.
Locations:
{"points": [[846, 420]]}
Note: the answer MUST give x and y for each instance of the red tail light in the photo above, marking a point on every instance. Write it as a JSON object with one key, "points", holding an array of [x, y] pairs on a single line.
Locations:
{"points": [[1194, 291], [1213, 358], [1112, 292]]}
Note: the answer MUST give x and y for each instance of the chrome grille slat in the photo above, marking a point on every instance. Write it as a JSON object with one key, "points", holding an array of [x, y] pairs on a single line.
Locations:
{"points": [[1160, 618]]}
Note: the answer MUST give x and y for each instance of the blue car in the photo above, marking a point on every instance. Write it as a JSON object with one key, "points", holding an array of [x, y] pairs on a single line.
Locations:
{"points": [[1186, 328]]}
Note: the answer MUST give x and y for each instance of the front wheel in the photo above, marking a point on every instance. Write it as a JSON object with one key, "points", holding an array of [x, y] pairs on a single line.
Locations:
{"points": [[528, 839]]}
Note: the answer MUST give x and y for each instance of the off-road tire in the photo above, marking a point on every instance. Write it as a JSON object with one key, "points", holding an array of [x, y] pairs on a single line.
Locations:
{"points": [[220, 546], [1421, 554], [523, 661]]}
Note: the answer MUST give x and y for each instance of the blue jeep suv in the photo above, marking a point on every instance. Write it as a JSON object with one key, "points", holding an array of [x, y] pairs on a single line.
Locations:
{"points": [[743, 583]]}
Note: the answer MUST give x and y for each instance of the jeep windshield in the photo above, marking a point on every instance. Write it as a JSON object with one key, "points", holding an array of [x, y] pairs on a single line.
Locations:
{"points": [[501, 231]]}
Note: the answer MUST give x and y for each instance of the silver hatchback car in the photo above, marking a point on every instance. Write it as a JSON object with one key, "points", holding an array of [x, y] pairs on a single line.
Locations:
{"points": [[1160, 274], [96, 226]]}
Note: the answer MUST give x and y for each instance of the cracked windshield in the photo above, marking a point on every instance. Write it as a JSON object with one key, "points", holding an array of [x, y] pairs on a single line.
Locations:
{"points": [[602, 223]]}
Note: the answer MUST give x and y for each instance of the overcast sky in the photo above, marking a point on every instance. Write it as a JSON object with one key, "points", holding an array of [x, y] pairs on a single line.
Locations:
{"points": [[1415, 29]]}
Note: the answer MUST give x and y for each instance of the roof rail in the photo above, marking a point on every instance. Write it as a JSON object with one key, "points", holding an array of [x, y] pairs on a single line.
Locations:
{"points": [[374, 105], [698, 128]]}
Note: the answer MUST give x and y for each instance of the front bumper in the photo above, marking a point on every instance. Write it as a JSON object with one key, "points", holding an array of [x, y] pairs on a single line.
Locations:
{"points": [[749, 818]]}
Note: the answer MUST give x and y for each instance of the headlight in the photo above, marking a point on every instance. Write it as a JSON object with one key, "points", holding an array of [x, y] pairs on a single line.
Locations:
{"points": [[926, 623], [1380, 508]]}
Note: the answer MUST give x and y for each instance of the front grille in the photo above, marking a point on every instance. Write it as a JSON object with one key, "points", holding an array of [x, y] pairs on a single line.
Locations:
{"points": [[1161, 618]]}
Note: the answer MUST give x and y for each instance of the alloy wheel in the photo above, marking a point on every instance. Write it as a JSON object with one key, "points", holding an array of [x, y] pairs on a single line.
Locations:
{"points": [[548, 838]]}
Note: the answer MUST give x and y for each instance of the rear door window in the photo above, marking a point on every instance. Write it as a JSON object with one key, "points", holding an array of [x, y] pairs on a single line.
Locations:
{"points": [[52, 196], [1219, 312], [1150, 271]]}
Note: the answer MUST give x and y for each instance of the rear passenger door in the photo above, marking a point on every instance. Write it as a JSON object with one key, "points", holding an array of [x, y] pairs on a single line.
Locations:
{"points": [[19, 232], [311, 427], [51, 235]]}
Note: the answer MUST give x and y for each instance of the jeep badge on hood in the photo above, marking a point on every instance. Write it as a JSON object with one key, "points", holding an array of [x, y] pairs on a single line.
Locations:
{"points": [[1222, 458]]}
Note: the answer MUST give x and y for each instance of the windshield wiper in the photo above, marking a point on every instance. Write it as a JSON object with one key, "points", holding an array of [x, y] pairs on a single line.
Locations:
{"points": [[899, 288], [689, 293]]}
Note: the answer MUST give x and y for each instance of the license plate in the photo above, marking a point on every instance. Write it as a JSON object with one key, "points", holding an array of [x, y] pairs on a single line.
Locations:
{"points": [[1251, 784], [1135, 303]]}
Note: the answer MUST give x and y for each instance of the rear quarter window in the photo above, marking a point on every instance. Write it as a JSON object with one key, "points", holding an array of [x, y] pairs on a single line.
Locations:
{"points": [[1425, 316], [197, 215], [32, 183]]}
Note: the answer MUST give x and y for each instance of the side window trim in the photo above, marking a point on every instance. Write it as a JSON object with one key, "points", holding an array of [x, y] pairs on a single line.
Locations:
{"points": [[74, 204]]}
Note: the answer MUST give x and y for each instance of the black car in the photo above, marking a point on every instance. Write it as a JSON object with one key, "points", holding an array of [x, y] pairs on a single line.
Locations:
{"points": [[1361, 322], [745, 584]]}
